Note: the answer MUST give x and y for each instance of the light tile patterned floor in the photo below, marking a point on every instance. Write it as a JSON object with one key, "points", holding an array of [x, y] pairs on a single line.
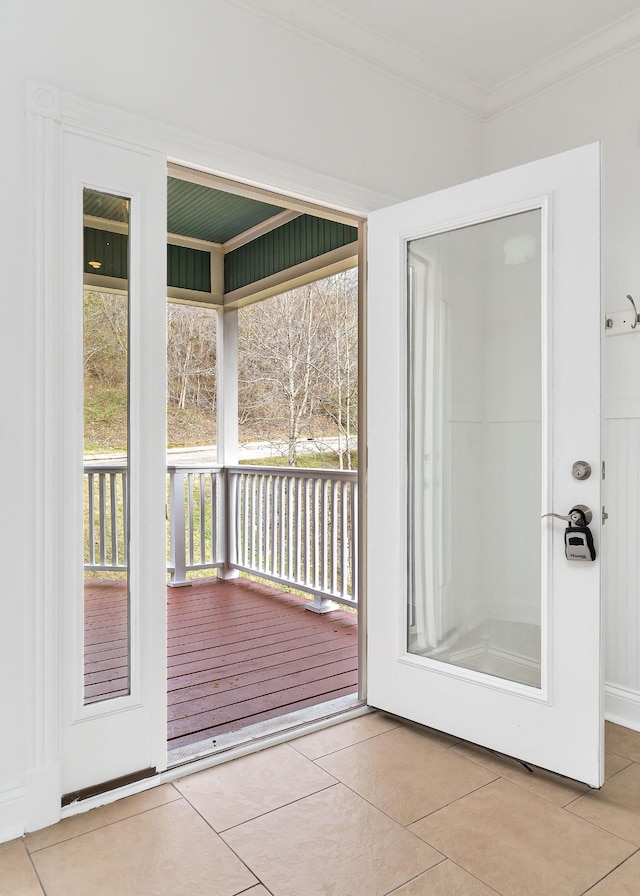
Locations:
{"points": [[370, 807]]}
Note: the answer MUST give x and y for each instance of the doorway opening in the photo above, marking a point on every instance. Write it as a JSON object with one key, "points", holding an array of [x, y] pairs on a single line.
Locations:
{"points": [[263, 309]]}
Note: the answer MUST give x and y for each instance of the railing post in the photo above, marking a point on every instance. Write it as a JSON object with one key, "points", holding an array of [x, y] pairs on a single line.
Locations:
{"points": [[228, 486], [320, 605], [176, 529]]}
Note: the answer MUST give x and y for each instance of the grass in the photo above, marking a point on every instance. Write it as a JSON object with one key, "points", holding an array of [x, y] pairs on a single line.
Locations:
{"points": [[329, 460]]}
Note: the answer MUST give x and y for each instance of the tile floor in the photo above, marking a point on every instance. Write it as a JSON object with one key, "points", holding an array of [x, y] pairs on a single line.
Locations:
{"points": [[367, 808]]}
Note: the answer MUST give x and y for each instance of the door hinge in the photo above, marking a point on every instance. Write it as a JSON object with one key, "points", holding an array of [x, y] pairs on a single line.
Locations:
{"points": [[603, 469], [605, 516]]}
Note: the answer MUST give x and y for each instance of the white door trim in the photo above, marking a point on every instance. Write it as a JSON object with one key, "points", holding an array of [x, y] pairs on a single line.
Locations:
{"points": [[50, 113]]}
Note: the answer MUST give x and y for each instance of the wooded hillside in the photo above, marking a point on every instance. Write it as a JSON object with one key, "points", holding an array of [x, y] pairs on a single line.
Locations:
{"points": [[298, 375]]}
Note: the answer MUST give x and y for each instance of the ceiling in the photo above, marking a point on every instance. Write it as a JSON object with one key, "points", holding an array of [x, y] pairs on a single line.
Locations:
{"points": [[482, 55]]}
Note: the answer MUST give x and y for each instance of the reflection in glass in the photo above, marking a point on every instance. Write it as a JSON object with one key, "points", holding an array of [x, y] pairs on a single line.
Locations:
{"points": [[106, 447], [474, 449]]}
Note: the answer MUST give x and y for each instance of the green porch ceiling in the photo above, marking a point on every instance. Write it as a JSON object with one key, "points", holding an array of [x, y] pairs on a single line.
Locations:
{"points": [[212, 215], [293, 243], [205, 213]]}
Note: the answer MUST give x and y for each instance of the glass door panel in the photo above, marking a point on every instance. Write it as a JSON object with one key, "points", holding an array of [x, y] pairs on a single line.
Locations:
{"points": [[107, 653], [474, 448]]}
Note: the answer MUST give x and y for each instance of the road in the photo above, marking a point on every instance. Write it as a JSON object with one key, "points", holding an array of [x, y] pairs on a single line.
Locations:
{"points": [[207, 454]]}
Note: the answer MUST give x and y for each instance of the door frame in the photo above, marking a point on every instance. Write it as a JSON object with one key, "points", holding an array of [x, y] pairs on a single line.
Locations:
{"points": [[51, 112]]}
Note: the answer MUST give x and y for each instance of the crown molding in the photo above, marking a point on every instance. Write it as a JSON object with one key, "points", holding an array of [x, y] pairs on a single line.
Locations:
{"points": [[598, 49], [345, 35]]}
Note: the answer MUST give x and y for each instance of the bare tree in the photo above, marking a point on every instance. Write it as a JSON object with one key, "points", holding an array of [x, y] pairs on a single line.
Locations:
{"points": [[106, 327], [191, 357], [298, 374], [298, 365]]}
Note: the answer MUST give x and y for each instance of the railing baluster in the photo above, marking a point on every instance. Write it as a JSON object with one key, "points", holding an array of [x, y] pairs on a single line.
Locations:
{"points": [[268, 486], [103, 519], [344, 558], [125, 520], [259, 524], [275, 481], [91, 535], [202, 498], [283, 524], [246, 528], [234, 497], [354, 540], [113, 496], [334, 537], [299, 524], [317, 522], [308, 540]]}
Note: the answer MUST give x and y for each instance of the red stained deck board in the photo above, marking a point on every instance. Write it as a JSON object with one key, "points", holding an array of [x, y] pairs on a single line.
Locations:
{"points": [[238, 653], [227, 727]]}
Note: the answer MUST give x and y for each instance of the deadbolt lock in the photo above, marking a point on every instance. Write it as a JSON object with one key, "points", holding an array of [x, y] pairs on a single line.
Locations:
{"points": [[581, 470]]}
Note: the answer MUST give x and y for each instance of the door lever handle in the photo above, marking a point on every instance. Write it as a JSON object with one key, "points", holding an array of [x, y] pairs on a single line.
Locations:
{"points": [[559, 516], [579, 515]]}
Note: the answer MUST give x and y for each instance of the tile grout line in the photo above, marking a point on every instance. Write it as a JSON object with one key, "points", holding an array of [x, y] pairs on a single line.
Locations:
{"points": [[230, 848], [276, 808], [605, 876], [107, 824], [35, 870], [521, 786], [338, 749], [599, 827], [415, 877], [598, 789], [452, 803]]}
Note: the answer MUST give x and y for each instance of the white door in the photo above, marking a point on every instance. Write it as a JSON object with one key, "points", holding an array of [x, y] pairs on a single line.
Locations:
{"points": [[113, 538], [484, 332]]}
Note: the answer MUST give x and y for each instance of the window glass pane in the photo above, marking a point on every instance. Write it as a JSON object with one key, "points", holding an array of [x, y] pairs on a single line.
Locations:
{"points": [[475, 437], [106, 446]]}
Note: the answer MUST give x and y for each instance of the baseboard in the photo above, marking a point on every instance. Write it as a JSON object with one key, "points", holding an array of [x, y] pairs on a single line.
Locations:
{"points": [[43, 788], [622, 706], [12, 812]]}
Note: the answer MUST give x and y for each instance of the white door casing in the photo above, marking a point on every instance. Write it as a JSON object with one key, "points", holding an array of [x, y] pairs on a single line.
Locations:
{"points": [[125, 735], [559, 724]]}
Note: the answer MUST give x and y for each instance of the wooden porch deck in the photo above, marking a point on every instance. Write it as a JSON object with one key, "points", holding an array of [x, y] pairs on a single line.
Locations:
{"points": [[239, 653]]}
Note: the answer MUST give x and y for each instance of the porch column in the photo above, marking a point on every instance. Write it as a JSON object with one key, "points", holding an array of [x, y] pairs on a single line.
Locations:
{"points": [[227, 423]]}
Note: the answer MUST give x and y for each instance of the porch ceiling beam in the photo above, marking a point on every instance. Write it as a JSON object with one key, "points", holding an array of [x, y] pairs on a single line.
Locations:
{"points": [[241, 239], [318, 268], [239, 189], [105, 224], [102, 283], [182, 296], [192, 242]]}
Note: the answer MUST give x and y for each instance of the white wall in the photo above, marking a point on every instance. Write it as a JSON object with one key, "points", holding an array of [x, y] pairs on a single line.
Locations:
{"points": [[218, 72], [602, 105]]}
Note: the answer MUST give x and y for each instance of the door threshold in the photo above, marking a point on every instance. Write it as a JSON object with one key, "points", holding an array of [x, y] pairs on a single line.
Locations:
{"points": [[293, 724], [276, 731]]}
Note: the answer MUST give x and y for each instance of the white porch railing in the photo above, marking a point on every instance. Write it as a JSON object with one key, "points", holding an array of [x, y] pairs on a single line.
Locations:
{"points": [[196, 516], [297, 527], [106, 540]]}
